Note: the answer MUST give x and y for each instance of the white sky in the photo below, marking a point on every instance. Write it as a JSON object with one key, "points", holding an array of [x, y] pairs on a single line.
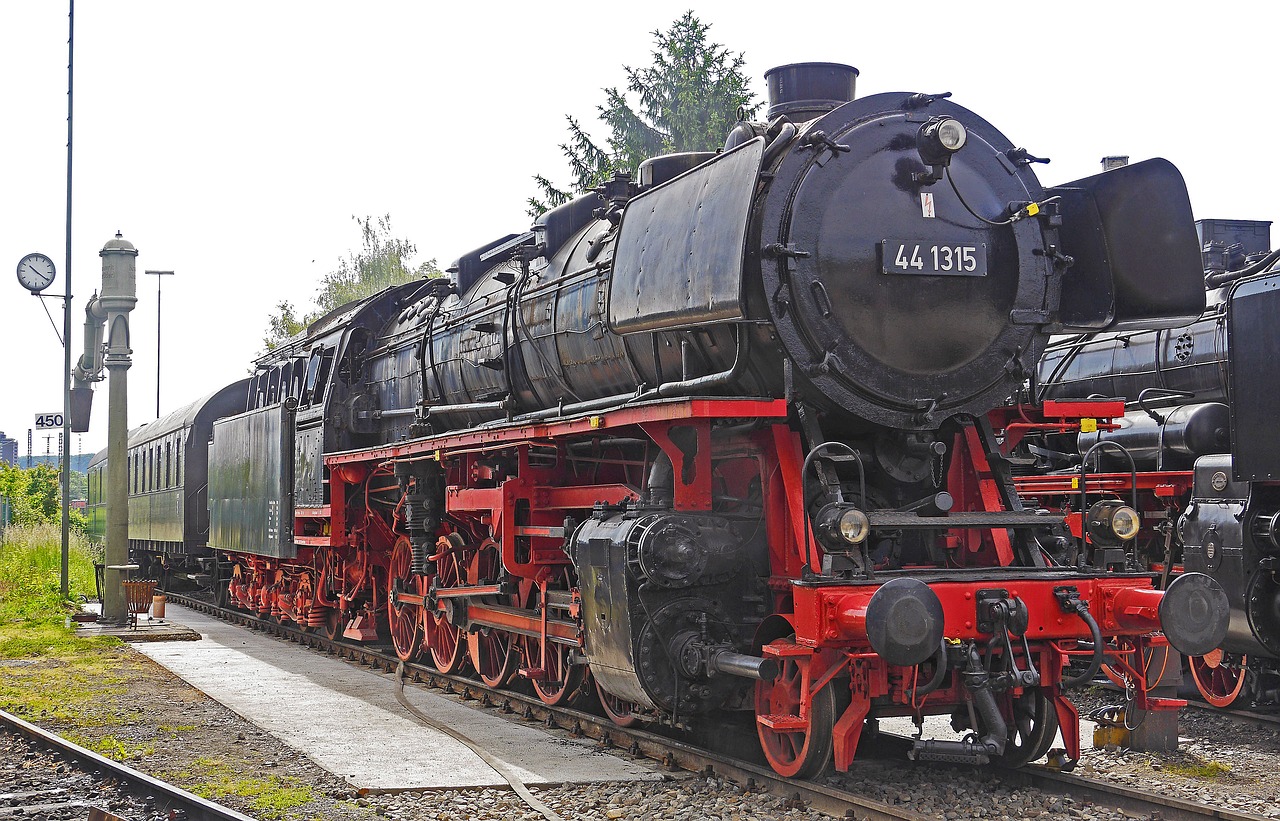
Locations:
{"points": [[232, 142]]}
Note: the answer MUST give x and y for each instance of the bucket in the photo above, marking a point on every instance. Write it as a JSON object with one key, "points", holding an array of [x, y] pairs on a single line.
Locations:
{"points": [[157, 607]]}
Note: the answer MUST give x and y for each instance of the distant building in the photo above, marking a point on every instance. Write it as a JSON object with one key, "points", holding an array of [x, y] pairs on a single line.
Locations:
{"points": [[8, 450]]}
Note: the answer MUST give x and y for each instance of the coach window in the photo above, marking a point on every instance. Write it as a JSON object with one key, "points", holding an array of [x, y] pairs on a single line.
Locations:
{"points": [[177, 471], [168, 465], [151, 468], [299, 378], [258, 390], [273, 387], [322, 376]]}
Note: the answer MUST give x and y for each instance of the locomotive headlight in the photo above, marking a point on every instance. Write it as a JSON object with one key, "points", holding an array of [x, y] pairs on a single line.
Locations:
{"points": [[938, 139], [1125, 523], [840, 526], [854, 526], [951, 135], [1111, 522]]}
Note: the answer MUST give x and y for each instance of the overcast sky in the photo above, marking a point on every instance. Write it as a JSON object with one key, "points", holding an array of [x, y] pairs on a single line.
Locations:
{"points": [[232, 142]]}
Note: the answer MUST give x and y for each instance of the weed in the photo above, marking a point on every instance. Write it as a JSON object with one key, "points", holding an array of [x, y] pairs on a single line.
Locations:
{"points": [[270, 797], [112, 747], [33, 612], [1194, 768], [176, 729]]}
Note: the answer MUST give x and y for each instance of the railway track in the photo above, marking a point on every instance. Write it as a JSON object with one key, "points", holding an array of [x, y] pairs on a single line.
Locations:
{"points": [[1271, 719], [830, 798], [60, 796]]}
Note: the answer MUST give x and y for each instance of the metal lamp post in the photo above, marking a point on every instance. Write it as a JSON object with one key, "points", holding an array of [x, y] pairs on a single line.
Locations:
{"points": [[159, 275]]}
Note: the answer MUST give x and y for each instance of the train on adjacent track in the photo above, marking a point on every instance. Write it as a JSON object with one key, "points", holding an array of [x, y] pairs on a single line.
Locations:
{"points": [[1200, 431], [715, 437]]}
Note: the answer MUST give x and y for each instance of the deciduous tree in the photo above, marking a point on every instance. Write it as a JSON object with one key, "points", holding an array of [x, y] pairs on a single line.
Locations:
{"points": [[382, 261]]}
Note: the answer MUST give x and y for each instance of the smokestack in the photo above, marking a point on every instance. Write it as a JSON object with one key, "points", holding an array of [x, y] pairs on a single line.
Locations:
{"points": [[805, 91]]}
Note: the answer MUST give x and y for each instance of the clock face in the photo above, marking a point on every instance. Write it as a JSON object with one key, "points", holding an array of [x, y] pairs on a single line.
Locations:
{"points": [[35, 272]]}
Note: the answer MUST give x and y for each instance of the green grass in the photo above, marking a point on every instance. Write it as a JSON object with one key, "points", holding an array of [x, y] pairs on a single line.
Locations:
{"points": [[49, 673], [270, 797], [31, 570], [1198, 769], [111, 747]]}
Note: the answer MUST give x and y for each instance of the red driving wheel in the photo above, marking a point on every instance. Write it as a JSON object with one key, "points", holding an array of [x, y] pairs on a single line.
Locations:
{"points": [[797, 740], [445, 641], [1219, 681], [404, 619]]}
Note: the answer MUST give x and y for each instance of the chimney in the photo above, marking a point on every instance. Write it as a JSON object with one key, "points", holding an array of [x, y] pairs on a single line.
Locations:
{"points": [[806, 91]]}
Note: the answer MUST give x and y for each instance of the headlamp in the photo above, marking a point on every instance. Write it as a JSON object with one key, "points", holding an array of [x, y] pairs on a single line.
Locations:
{"points": [[854, 526], [841, 527], [936, 141], [1111, 522], [1125, 523]]}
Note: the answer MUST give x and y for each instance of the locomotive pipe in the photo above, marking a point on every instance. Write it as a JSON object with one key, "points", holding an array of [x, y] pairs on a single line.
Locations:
{"points": [[710, 381], [1227, 277], [666, 389], [991, 745], [578, 407], [394, 413], [737, 664], [464, 407], [662, 481], [1099, 647], [939, 673]]}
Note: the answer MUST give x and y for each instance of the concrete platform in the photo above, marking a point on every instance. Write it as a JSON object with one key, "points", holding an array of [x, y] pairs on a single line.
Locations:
{"points": [[148, 629], [348, 721]]}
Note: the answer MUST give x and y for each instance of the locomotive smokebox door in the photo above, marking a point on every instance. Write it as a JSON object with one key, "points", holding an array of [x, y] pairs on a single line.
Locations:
{"points": [[896, 302], [1137, 258]]}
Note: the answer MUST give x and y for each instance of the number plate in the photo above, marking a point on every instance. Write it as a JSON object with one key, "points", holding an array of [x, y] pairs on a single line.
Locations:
{"points": [[909, 256]]}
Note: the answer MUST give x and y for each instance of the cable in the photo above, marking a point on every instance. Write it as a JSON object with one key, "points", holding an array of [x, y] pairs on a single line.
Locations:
{"points": [[978, 216], [496, 764]]}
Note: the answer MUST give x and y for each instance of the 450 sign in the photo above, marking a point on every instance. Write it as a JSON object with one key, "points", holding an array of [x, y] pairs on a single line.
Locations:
{"points": [[48, 421]]}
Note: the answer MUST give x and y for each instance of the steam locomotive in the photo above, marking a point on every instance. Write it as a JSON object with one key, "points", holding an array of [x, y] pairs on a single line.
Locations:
{"points": [[713, 438], [1200, 432]]}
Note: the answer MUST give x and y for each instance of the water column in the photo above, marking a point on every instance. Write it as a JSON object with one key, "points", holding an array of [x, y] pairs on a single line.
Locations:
{"points": [[119, 296]]}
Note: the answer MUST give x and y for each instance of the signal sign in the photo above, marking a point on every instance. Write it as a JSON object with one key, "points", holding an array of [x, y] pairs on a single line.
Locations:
{"points": [[48, 421]]}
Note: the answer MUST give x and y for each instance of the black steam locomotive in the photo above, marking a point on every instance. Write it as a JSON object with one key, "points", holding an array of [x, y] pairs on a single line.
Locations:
{"points": [[714, 437], [1201, 430]]}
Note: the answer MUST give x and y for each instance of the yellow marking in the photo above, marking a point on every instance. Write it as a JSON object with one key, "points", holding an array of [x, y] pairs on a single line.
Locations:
{"points": [[597, 421], [1075, 482], [1088, 425], [1033, 209]]}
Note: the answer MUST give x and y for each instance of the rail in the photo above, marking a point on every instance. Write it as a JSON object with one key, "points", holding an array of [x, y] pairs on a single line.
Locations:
{"points": [[167, 796], [679, 755]]}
